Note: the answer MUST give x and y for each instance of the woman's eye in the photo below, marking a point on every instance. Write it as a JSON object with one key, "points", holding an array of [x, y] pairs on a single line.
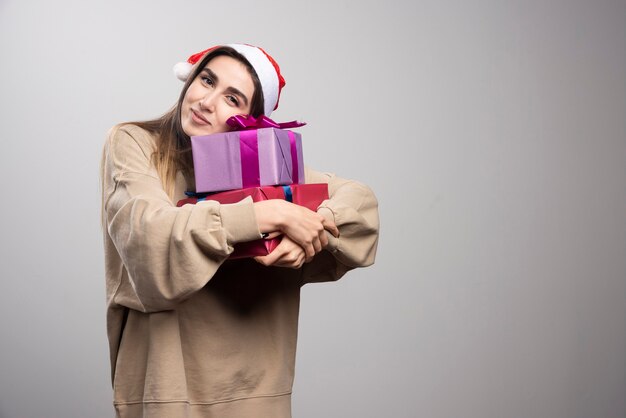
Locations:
{"points": [[207, 80], [233, 100]]}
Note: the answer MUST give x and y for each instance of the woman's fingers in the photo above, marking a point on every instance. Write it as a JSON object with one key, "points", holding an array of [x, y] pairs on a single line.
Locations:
{"points": [[286, 254], [309, 250], [323, 239], [267, 260], [331, 227], [290, 254], [318, 243], [304, 226]]}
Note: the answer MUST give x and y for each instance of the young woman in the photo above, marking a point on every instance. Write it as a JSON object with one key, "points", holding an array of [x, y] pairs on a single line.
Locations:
{"points": [[191, 333]]}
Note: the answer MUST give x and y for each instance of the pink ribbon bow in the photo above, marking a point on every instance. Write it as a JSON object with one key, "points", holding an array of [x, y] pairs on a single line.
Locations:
{"points": [[246, 122]]}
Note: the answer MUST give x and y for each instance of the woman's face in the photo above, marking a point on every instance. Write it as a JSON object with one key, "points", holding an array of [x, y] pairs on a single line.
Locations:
{"points": [[224, 88]]}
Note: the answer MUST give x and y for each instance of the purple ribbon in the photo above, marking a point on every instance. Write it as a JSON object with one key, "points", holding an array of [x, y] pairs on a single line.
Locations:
{"points": [[249, 146], [249, 149], [246, 122], [294, 157]]}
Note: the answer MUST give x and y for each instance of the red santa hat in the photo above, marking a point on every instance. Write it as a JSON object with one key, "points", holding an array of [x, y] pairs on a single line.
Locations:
{"points": [[264, 65]]}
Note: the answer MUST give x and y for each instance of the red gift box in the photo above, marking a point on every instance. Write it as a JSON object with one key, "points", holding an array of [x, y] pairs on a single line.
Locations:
{"points": [[308, 195]]}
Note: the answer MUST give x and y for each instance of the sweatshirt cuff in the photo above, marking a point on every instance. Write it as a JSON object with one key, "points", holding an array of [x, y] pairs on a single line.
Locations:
{"points": [[239, 221], [333, 243]]}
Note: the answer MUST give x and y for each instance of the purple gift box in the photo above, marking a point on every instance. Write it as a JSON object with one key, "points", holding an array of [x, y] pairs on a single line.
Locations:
{"points": [[249, 158]]}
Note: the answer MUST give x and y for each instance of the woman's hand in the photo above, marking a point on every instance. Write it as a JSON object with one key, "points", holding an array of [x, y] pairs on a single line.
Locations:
{"points": [[286, 254], [303, 226]]}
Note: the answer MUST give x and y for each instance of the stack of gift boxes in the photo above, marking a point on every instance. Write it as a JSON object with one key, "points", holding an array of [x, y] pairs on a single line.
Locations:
{"points": [[260, 158]]}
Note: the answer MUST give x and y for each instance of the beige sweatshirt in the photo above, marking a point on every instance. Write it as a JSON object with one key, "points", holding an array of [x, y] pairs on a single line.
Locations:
{"points": [[191, 333]]}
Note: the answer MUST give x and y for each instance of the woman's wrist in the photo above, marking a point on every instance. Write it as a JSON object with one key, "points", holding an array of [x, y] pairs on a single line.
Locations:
{"points": [[269, 216]]}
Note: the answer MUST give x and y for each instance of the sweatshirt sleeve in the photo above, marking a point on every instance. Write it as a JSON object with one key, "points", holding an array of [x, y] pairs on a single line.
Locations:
{"points": [[165, 253], [354, 209]]}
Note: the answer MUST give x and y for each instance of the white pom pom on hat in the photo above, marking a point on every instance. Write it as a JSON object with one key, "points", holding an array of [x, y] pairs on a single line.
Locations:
{"points": [[264, 65], [182, 70]]}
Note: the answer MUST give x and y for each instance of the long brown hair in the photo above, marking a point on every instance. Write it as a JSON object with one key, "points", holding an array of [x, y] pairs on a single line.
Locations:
{"points": [[173, 151]]}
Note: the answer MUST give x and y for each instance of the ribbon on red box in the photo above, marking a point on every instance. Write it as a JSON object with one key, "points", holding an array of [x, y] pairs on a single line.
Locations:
{"points": [[194, 197]]}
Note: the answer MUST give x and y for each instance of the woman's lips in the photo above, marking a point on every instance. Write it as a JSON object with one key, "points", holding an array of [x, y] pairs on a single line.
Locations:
{"points": [[198, 118]]}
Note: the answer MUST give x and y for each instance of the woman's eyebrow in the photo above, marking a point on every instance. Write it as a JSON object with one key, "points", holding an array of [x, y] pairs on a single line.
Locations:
{"points": [[211, 74], [238, 93], [231, 90]]}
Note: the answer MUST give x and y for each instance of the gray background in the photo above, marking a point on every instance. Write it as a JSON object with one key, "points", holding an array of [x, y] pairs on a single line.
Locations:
{"points": [[492, 132]]}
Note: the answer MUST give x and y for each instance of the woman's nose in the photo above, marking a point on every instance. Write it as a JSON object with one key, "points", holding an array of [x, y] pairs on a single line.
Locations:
{"points": [[208, 102]]}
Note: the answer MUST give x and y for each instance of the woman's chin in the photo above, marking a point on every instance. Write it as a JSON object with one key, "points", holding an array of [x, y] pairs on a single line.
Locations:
{"points": [[192, 130], [197, 131]]}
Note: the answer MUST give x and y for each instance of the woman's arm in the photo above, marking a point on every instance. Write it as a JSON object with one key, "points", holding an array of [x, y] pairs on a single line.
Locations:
{"points": [[156, 253], [353, 207]]}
